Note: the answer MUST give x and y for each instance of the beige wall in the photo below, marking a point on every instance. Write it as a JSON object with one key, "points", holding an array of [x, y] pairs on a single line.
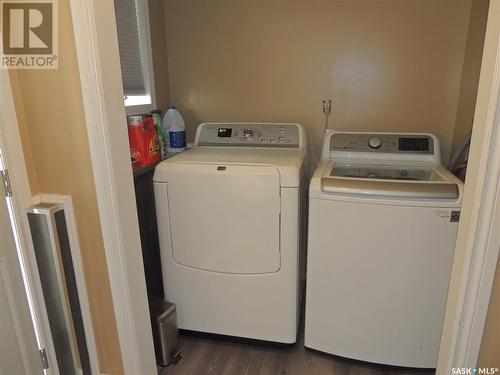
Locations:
{"points": [[159, 52], [391, 65], [471, 70], [50, 111], [24, 133], [489, 356], [395, 65]]}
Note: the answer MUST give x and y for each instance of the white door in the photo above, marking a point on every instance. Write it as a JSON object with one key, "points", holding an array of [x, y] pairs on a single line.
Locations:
{"points": [[18, 347], [225, 218]]}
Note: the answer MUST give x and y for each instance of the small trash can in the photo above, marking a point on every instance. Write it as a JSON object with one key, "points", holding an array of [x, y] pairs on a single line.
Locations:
{"points": [[164, 324]]}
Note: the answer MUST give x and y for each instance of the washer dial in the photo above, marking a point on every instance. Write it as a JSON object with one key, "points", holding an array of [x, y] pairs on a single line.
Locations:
{"points": [[374, 142]]}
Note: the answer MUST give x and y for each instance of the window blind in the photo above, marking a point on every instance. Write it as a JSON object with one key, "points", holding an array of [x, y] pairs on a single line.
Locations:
{"points": [[129, 42]]}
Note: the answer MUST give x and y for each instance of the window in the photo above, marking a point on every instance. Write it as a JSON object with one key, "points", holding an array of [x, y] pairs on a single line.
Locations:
{"points": [[132, 21]]}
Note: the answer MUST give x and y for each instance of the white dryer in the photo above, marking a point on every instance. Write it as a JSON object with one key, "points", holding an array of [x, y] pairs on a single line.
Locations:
{"points": [[383, 219], [229, 219]]}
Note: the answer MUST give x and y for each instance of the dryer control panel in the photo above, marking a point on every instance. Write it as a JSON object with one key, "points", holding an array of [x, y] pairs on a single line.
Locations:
{"points": [[382, 142], [250, 135]]}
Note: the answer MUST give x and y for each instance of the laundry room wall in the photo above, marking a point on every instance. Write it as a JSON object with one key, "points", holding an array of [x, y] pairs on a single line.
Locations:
{"points": [[50, 113], [388, 65], [489, 356], [471, 70], [159, 53]]}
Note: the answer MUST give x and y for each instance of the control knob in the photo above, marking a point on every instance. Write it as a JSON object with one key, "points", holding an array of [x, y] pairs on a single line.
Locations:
{"points": [[247, 134], [374, 142]]}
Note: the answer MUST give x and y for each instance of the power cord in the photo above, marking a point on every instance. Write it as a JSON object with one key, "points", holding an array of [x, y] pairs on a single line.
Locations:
{"points": [[327, 109]]}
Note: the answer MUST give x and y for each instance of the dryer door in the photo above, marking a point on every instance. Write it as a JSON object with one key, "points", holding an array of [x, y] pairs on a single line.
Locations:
{"points": [[225, 218]]}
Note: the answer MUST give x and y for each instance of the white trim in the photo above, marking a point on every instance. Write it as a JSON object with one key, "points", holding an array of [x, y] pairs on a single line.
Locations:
{"points": [[15, 162], [483, 247], [139, 109], [69, 213], [486, 249], [96, 42], [472, 279], [137, 101], [14, 315]]}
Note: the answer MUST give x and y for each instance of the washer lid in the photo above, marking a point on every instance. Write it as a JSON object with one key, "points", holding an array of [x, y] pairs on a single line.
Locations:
{"points": [[388, 180], [385, 171]]}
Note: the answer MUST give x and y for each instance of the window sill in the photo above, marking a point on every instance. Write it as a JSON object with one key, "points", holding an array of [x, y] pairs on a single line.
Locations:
{"points": [[139, 109]]}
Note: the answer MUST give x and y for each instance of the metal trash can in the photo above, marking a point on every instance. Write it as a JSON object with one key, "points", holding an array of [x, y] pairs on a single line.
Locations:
{"points": [[164, 324]]}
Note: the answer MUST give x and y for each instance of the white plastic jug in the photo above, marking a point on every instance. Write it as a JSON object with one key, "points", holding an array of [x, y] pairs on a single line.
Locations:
{"points": [[174, 129]]}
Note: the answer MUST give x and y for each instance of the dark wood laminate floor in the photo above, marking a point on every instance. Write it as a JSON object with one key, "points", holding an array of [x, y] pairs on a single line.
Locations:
{"points": [[216, 356]]}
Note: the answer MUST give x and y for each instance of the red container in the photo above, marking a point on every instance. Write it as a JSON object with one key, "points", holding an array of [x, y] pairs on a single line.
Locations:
{"points": [[145, 147], [136, 141]]}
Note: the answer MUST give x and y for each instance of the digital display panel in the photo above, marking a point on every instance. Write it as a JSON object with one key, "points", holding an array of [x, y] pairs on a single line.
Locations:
{"points": [[224, 132], [414, 144]]}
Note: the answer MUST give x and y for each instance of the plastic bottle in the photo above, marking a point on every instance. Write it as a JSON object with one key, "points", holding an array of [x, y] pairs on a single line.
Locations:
{"points": [[156, 114], [152, 146], [174, 126], [136, 141]]}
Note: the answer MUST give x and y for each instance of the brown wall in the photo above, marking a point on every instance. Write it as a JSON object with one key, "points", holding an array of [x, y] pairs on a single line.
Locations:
{"points": [[50, 112], [471, 70], [389, 65]]}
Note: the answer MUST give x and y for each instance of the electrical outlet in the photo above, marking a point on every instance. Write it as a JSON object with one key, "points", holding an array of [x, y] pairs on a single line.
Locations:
{"points": [[327, 105]]}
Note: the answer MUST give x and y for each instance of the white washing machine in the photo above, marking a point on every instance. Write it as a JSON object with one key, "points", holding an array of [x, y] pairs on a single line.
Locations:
{"points": [[383, 219], [229, 219]]}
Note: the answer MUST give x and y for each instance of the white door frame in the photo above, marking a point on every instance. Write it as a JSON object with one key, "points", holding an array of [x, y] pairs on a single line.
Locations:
{"points": [[14, 159], [478, 242], [100, 74], [98, 58]]}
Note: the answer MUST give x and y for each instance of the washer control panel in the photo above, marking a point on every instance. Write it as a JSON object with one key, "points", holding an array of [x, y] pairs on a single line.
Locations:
{"points": [[249, 135], [388, 143]]}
